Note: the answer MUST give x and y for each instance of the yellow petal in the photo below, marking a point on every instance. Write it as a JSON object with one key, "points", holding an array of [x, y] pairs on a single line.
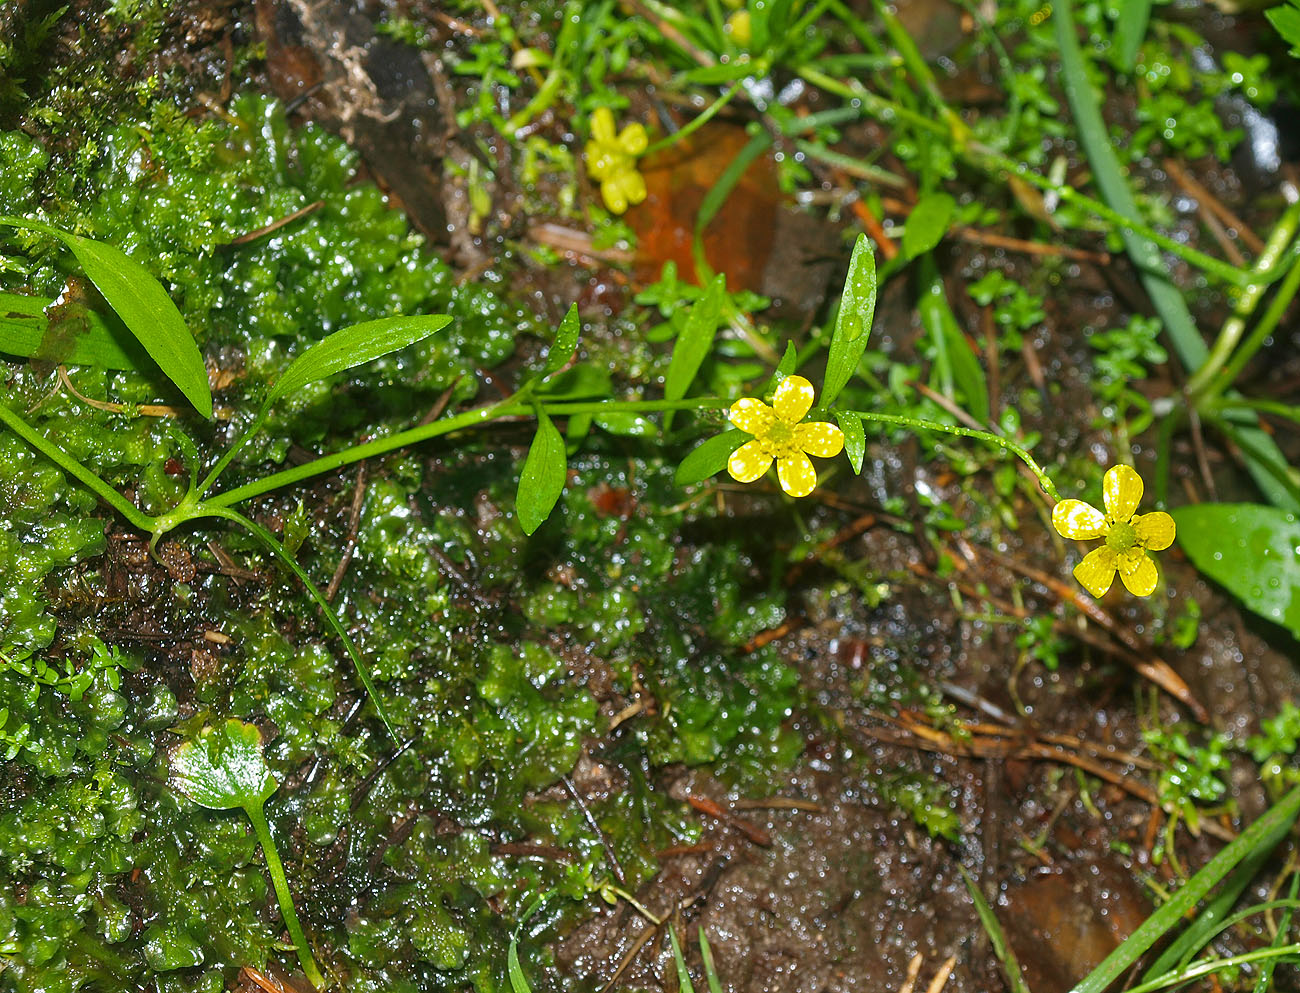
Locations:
{"points": [[602, 125], [819, 438], [611, 191], [796, 473], [633, 139], [1078, 520], [1121, 490], [793, 399], [633, 186], [1097, 571], [1138, 571], [748, 462], [1154, 530], [752, 415]]}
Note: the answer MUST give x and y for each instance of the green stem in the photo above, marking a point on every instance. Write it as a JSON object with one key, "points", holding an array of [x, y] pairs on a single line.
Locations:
{"points": [[413, 436], [1268, 323], [1185, 975], [74, 468], [1005, 444], [888, 112], [704, 117], [1193, 892], [1262, 274], [283, 896], [327, 610], [231, 452]]}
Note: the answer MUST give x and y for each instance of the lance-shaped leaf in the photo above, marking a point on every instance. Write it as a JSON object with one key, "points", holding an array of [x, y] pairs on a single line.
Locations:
{"points": [[853, 322], [144, 306], [71, 333], [566, 342], [709, 456], [693, 345], [855, 438], [149, 314], [541, 481], [353, 346], [927, 224]]}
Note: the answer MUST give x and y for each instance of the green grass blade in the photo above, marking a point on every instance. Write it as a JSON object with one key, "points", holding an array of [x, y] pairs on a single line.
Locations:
{"points": [[518, 981], [710, 970], [993, 927], [694, 344], [683, 974], [1130, 30], [1249, 843], [1168, 301]]}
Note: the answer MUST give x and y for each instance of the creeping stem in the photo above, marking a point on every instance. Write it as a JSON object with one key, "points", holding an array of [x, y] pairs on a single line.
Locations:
{"points": [[470, 418], [1044, 480], [74, 468]]}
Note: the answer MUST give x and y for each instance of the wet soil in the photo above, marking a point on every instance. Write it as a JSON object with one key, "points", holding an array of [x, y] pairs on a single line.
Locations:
{"points": [[826, 885]]}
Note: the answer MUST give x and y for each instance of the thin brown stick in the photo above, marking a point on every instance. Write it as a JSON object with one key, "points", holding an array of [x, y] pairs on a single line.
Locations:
{"points": [[350, 546], [992, 240], [1154, 669], [266, 229], [1214, 205]]}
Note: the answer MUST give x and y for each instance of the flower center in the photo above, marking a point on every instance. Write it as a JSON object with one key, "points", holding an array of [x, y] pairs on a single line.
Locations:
{"points": [[780, 438], [1121, 537]]}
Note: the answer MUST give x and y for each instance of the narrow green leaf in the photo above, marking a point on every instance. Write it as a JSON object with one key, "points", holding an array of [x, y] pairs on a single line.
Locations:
{"points": [[710, 970], [955, 362], [855, 439], [566, 342], [786, 366], [709, 456], [853, 322], [997, 938], [78, 335], [1130, 30], [542, 479], [148, 312], [683, 974], [223, 767], [694, 344], [1251, 550], [518, 981], [353, 346], [927, 224], [1172, 912]]}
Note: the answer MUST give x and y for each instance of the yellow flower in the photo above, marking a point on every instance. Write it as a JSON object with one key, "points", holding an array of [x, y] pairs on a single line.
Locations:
{"points": [[1128, 536], [611, 160], [779, 435]]}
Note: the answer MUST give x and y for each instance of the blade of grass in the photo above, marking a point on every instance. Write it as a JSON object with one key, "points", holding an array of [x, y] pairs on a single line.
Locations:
{"points": [[1278, 819], [1168, 301], [1130, 30], [993, 927]]}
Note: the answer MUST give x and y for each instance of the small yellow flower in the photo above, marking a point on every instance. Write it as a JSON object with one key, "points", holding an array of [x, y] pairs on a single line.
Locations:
{"points": [[779, 435], [1128, 536], [611, 160]]}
